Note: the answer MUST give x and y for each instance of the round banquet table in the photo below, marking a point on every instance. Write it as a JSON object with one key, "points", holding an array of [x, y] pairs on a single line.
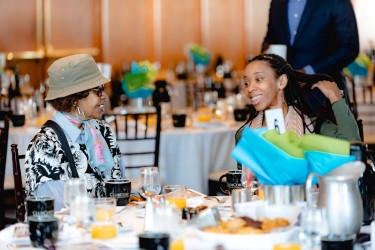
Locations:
{"points": [[132, 219]]}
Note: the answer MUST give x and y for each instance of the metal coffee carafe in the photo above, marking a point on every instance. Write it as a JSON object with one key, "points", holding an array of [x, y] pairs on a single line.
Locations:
{"points": [[367, 181], [339, 195]]}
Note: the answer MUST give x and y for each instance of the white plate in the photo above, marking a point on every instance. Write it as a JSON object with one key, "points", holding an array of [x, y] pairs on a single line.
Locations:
{"points": [[260, 208], [248, 241]]}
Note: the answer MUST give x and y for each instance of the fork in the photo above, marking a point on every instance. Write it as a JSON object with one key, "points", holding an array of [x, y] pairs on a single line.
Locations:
{"points": [[223, 200]]}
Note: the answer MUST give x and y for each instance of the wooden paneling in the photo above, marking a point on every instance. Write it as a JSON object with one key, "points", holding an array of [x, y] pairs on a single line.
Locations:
{"points": [[70, 26], [36, 32], [127, 31], [18, 25], [176, 25], [256, 20], [223, 29]]}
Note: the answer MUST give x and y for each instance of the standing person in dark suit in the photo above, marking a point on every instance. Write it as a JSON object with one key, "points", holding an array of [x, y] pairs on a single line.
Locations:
{"points": [[321, 35]]}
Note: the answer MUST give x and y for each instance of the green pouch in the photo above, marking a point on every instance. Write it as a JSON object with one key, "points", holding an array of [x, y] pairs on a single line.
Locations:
{"points": [[288, 142], [316, 142]]}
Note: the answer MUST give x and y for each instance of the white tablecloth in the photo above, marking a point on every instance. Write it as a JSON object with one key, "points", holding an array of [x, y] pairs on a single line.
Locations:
{"points": [[187, 155], [132, 220]]}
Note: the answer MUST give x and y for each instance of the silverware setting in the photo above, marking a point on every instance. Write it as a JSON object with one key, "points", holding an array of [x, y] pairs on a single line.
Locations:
{"points": [[222, 200]]}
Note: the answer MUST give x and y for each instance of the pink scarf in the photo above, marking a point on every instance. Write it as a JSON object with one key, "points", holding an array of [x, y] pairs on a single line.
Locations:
{"points": [[99, 153]]}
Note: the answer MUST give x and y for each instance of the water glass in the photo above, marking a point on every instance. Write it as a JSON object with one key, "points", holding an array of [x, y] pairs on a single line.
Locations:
{"points": [[82, 211], [72, 189], [314, 225], [149, 182]]}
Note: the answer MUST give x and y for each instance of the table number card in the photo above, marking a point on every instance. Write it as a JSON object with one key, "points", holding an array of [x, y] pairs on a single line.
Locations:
{"points": [[275, 120]]}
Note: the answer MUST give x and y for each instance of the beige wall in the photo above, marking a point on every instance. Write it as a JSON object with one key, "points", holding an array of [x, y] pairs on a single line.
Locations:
{"points": [[366, 22]]}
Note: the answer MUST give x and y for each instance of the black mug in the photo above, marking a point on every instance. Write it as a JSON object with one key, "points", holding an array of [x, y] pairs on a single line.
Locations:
{"points": [[154, 241], [233, 178], [240, 115], [43, 231], [179, 120], [18, 120], [40, 206], [119, 189]]}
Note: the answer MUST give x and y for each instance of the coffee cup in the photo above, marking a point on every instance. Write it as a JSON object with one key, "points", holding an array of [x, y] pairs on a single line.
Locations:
{"points": [[153, 241], [43, 231], [18, 120], [240, 115], [119, 189], [278, 49], [179, 120], [233, 181], [40, 206]]}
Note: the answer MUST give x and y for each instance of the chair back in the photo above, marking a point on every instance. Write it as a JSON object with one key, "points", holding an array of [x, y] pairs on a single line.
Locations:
{"points": [[138, 136], [4, 134], [19, 192], [360, 129]]}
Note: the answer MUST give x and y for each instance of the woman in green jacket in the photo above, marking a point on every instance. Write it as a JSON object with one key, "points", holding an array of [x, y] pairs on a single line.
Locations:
{"points": [[310, 103]]}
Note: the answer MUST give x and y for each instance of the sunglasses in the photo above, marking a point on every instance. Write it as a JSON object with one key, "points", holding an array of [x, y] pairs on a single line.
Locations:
{"points": [[99, 90]]}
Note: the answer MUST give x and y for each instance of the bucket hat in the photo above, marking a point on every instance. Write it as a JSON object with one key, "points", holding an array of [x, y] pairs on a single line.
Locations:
{"points": [[73, 74]]}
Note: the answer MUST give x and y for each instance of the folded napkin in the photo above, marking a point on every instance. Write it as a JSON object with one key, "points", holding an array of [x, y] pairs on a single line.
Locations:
{"points": [[286, 159]]}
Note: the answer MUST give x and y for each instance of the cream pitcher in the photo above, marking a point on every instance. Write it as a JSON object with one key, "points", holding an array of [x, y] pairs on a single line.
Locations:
{"points": [[339, 195]]}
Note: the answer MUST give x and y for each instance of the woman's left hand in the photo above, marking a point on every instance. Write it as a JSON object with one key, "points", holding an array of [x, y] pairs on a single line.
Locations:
{"points": [[330, 90]]}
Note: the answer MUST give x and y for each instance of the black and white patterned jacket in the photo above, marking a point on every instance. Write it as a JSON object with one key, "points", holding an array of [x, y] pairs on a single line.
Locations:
{"points": [[45, 160]]}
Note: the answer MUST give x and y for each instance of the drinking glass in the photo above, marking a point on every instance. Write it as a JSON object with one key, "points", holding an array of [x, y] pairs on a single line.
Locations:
{"points": [[82, 211], [2, 62], [149, 187], [314, 225], [149, 182], [246, 177], [73, 188], [104, 226], [176, 195]]}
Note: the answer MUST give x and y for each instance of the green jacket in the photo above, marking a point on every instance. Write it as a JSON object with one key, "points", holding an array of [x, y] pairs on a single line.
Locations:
{"points": [[345, 129]]}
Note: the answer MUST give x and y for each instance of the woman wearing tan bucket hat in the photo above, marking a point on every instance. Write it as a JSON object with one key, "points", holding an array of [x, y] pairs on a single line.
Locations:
{"points": [[76, 91]]}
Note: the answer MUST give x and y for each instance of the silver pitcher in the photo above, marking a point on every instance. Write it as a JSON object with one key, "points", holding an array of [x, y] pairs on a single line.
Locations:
{"points": [[339, 195]]}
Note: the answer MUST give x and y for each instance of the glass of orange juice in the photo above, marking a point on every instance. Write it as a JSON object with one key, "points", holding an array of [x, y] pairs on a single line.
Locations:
{"points": [[104, 226], [176, 195], [204, 114]]}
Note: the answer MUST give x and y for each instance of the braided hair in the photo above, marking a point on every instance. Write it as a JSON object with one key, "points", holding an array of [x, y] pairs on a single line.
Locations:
{"points": [[298, 93]]}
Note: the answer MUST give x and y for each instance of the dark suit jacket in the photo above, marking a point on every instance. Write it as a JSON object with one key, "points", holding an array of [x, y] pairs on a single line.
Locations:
{"points": [[327, 35]]}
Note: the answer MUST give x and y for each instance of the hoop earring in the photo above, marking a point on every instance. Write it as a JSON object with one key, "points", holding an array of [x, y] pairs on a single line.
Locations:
{"points": [[79, 113]]}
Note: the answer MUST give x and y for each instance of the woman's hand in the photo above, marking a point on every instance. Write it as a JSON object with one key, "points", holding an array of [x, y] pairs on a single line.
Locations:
{"points": [[330, 90]]}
